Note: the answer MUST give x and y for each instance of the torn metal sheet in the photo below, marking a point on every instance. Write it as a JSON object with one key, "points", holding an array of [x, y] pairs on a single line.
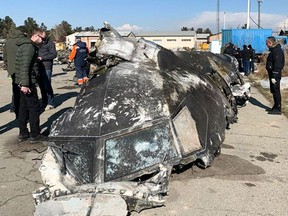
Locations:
{"points": [[62, 195], [223, 69], [144, 111]]}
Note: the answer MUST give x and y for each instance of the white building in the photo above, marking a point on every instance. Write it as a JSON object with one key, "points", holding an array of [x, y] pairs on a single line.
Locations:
{"points": [[90, 37], [171, 40]]}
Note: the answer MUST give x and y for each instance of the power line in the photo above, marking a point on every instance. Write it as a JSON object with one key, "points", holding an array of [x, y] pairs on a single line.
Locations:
{"points": [[257, 24]]}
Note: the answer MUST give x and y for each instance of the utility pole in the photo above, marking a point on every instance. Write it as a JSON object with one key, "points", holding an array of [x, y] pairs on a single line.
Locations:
{"points": [[259, 20], [224, 19], [218, 16], [248, 15]]}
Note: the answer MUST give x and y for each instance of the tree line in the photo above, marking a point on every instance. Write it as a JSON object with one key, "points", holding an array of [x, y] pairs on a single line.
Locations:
{"points": [[198, 30], [58, 33]]}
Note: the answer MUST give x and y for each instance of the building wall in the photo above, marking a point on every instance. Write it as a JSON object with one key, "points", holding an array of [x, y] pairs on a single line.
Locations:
{"points": [[216, 37], [169, 41], [173, 42], [90, 41]]}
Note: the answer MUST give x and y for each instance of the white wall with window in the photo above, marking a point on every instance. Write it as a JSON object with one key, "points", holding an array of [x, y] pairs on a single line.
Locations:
{"points": [[171, 40]]}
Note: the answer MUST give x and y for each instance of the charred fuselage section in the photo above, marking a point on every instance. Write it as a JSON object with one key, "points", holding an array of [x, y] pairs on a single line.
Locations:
{"points": [[151, 107], [147, 107]]}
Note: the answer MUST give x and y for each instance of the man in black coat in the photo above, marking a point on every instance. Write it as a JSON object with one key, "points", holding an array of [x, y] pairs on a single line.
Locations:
{"points": [[252, 59], [274, 65], [47, 52]]}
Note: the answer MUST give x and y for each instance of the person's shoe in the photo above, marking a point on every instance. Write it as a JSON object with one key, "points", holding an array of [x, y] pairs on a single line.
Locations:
{"points": [[269, 109], [49, 107], [23, 137], [275, 112], [38, 139]]}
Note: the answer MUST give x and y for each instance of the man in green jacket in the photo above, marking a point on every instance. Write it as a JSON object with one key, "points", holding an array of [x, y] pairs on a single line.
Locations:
{"points": [[26, 77], [9, 57]]}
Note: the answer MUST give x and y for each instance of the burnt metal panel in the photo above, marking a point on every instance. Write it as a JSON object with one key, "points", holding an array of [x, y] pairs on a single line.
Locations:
{"points": [[137, 151], [186, 130], [84, 118], [134, 95]]}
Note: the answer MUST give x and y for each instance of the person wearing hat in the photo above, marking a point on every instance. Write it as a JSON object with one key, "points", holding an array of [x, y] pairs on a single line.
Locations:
{"points": [[79, 54]]}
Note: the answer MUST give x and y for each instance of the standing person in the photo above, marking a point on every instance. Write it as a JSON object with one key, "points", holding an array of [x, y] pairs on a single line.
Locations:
{"points": [[238, 56], [79, 53], [229, 49], [47, 53], [246, 56], [26, 77], [252, 60], [274, 65], [10, 50]]}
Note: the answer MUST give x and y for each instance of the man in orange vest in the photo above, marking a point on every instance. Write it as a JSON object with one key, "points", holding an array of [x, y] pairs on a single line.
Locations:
{"points": [[79, 54]]}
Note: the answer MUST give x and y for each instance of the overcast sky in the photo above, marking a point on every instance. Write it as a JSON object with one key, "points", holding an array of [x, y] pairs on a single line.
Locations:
{"points": [[148, 15]]}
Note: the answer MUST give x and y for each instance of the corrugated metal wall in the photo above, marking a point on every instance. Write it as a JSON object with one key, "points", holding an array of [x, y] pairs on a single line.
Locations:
{"points": [[240, 37]]}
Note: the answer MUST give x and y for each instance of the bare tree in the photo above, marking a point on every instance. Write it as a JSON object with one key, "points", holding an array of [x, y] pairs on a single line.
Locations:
{"points": [[60, 31]]}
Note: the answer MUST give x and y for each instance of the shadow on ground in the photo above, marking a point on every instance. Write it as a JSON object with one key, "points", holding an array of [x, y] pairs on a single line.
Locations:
{"points": [[255, 102], [59, 99], [5, 108], [59, 74], [10, 125], [224, 167]]}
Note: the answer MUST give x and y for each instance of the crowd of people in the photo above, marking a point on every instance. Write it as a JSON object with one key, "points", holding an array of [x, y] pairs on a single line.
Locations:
{"points": [[29, 63], [274, 65], [245, 57]]}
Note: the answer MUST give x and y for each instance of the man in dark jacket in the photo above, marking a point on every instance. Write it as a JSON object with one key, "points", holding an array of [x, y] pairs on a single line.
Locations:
{"points": [[229, 49], [10, 50], [47, 52], [274, 65], [26, 77], [79, 53], [246, 56], [252, 59]]}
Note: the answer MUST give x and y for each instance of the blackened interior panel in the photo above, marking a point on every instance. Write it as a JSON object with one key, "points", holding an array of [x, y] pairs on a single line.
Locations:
{"points": [[137, 151], [79, 158]]}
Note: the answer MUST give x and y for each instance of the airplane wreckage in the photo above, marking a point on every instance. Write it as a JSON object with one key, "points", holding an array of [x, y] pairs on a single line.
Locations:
{"points": [[146, 110]]}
